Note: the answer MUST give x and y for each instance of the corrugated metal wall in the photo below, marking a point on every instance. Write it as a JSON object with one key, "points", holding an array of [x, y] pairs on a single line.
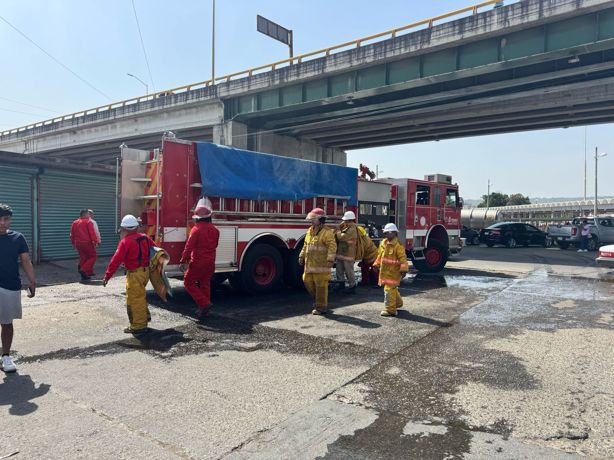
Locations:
{"points": [[16, 191], [62, 196]]}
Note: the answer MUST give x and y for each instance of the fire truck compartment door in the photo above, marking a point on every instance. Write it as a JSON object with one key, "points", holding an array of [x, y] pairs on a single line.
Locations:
{"points": [[226, 254]]}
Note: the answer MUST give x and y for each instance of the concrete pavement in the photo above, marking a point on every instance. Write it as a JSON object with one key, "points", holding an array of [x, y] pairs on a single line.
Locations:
{"points": [[502, 358]]}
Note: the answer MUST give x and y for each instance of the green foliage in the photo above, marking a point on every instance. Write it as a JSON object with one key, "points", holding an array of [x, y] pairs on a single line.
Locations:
{"points": [[500, 199]]}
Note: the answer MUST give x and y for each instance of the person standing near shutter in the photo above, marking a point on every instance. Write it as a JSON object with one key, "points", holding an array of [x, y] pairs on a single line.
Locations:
{"points": [[83, 239], [133, 252], [347, 240]]}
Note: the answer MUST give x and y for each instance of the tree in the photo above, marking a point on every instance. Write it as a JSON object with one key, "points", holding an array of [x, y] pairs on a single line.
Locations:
{"points": [[518, 199], [496, 199], [500, 199]]}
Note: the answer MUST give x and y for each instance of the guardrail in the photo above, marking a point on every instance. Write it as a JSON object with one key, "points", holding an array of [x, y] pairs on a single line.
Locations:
{"points": [[392, 33]]}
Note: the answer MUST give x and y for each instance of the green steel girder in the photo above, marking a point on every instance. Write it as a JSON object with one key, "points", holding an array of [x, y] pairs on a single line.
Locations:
{"points": [[556, 36]]}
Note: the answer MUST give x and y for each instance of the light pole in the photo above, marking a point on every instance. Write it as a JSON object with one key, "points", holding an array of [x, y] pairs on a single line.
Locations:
{"points": [[597, 156], [213, 44], [137, 78]]}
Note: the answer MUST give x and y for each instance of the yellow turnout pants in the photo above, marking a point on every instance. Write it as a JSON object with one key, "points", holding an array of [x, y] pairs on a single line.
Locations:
{"points": [[317, 286], [392, 299], [136, 302]]}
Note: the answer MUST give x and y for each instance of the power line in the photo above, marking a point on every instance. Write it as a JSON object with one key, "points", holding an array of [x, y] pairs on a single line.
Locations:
{"points": [[28, 105], [54, 58], [21, 112], [138, 26]]}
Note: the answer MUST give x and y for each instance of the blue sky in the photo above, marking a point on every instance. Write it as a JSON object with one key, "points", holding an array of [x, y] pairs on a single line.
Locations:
{"points": [[99, 41]]}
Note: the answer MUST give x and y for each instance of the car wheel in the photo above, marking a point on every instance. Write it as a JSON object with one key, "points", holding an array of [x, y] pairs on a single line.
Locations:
{"points": [[562, 244], [593, 244], [490, 245], [511, 242], [475, 240]]}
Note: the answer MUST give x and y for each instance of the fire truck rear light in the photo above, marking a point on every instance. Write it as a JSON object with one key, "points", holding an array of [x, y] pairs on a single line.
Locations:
{"points": [[574, 231]]}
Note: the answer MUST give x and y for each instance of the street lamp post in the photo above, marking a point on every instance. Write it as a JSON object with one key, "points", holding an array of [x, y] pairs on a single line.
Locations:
{"points": [[145, 84], [597, 156]]}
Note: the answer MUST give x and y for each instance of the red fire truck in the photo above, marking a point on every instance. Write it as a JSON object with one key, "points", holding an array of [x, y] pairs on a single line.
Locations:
{"points": [[426, 212], [260, 202]]}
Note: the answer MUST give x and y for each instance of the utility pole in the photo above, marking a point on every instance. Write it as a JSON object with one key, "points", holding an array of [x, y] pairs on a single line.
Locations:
{"points": [[213, 45], [488, 196], [585, 163]]}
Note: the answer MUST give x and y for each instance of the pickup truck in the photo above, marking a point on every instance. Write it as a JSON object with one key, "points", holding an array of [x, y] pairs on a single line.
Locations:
{"points": [[601, 231]]}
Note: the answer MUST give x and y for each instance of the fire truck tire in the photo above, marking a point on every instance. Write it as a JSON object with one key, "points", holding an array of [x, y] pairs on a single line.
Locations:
{"points": [[262, 269], [436, 257], [293, 275]]}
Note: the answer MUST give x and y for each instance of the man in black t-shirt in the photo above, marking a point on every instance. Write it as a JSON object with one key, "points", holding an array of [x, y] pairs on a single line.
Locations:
{"points": [[13, 246]]}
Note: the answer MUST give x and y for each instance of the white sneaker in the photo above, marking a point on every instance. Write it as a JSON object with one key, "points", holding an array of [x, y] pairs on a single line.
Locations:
{"points": [[7, 364], [580, 250], [585, 250]]}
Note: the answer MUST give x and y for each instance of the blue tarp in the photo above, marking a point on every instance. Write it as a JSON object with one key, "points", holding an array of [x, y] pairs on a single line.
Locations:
{"points": [[234, 173]]}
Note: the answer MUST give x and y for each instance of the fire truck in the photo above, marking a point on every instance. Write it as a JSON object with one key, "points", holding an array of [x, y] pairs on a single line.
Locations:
{"points": [[259, 205], [426, 212]]}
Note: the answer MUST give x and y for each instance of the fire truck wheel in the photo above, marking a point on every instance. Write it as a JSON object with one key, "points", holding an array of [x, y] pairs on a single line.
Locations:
{"points": [[262, 269], [435, 258]]}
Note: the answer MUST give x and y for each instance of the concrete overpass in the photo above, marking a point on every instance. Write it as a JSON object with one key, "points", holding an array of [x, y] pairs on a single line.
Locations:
{"points": [[529, 65]]}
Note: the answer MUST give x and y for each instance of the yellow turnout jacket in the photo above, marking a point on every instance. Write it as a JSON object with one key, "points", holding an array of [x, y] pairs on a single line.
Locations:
{"points": [[319, 249], [391, 260]]}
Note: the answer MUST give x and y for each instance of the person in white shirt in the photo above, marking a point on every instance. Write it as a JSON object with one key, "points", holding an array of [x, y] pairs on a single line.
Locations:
{"points": [[98, 238]]}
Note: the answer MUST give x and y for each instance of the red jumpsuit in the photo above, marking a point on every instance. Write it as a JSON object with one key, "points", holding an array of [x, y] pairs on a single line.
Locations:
{"points": [[83, 238], [200, 253]]}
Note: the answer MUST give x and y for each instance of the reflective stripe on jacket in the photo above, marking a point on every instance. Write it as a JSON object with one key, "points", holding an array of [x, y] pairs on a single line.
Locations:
{"points": [[392, 260], [347, 238], [319, 249]]}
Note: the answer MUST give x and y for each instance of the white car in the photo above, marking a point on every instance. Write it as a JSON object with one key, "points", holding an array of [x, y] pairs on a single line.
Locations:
{"points": [[606, 256]]}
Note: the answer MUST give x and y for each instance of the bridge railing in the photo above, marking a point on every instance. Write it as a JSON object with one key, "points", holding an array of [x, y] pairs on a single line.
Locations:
{"points": [[392, 33]]}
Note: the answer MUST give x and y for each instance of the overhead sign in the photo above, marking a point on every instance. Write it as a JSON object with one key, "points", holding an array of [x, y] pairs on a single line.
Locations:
{"points": [[274, 30]]}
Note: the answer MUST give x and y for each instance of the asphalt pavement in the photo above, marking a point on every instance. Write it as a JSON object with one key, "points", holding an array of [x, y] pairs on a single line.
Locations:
{"points": [[505, 354]]}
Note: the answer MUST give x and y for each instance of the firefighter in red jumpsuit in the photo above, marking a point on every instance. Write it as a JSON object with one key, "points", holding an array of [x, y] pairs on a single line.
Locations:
{"points": [[84, 240], [199, 254]]}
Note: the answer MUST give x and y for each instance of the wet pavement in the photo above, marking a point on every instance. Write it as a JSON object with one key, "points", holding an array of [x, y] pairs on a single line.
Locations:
{"points": [[503, 355]]}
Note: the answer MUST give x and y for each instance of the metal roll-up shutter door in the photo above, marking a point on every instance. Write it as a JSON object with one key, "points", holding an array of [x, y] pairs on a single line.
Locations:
{"points": [[62, 196], [16, 191]]}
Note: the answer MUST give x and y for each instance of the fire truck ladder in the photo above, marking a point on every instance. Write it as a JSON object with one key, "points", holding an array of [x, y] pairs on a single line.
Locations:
{"points": [[152, 191]]}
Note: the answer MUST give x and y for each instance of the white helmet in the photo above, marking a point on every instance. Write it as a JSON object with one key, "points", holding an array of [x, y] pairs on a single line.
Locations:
{"points": [[129, 222], [349, 216], [390, 228]]}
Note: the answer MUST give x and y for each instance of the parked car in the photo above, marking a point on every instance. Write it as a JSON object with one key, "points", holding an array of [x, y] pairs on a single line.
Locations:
{"points": [[602, 231], [513, 234], [606, 256], [471, 236]]}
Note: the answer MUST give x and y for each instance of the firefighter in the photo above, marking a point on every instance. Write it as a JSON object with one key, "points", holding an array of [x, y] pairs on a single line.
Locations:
{"points": [[133, 251], [199, 253], [347, 238], [392, 263], [84, 240], [318, 255]]}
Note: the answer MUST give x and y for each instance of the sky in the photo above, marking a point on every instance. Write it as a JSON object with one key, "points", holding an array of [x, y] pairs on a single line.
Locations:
{"points": [[98, 40]]}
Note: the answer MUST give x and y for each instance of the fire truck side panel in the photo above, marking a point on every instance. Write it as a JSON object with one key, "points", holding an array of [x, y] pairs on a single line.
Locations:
{"points": [[178, 166]]}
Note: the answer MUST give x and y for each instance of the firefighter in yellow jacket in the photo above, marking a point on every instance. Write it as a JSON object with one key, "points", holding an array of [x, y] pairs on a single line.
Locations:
{"points": [[347, 240], [318, 256], [392, 263]]}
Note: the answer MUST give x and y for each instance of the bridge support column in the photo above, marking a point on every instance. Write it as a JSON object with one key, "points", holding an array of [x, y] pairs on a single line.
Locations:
{"points": [[239, 135]]}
